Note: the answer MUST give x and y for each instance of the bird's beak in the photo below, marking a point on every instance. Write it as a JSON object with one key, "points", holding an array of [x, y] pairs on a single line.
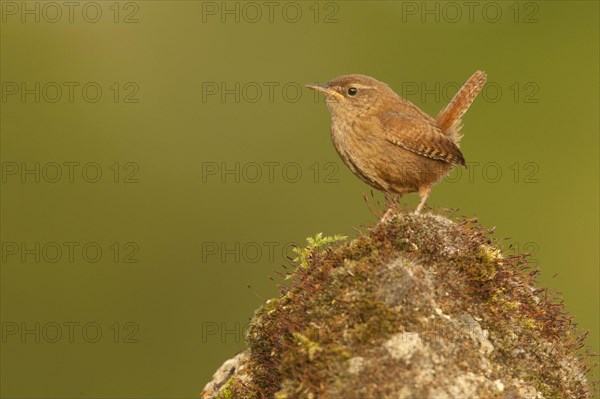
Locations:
{"points": [[325, 90]]}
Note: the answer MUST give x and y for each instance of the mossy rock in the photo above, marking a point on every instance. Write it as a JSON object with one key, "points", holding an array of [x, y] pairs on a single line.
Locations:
{"points": [[420, 307]]}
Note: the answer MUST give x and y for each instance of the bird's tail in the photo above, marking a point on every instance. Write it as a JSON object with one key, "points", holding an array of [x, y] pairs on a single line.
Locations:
{"points": [[449, 118]]}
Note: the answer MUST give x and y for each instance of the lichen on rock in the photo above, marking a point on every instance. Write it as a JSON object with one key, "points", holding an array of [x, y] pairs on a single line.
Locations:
{"points": [[419, 307]]}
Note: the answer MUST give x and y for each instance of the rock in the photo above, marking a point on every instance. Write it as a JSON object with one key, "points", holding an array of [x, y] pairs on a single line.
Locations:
{"points": [[420, 307], [403, 345], [236, 364]]}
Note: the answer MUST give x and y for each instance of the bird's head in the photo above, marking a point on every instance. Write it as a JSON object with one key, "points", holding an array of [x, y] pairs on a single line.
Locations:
{"points": [[353, 95]]}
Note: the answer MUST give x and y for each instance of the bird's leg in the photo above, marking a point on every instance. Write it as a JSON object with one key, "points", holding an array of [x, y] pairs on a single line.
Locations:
{"points": [[423, 194], [391, 201]]}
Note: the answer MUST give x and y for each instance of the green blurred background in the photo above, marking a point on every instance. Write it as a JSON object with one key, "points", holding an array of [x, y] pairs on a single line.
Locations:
{"points": [[204, 183]]}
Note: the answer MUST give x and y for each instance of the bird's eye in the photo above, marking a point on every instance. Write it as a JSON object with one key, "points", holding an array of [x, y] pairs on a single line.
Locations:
{"points": [[352, 91]]}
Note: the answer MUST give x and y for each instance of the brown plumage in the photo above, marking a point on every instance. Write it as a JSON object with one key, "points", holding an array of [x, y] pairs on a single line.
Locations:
{"points": [[449, 118], [387, 141]]}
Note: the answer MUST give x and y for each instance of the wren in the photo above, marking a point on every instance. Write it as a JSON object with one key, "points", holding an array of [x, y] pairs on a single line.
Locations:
{"points": [[388, 142]]}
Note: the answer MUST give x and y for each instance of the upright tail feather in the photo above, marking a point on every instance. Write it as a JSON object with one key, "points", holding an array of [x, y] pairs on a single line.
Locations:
{"points": [[449, 118]]}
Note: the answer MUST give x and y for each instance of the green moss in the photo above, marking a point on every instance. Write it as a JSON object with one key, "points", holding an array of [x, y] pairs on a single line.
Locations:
{"points": [[236, 389], [309, 347], [314, 244], [372, 320], [228, 390]]}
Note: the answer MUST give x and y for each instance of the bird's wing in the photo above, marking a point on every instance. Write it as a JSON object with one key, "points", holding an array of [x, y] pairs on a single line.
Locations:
{"points": [[420, 136]]}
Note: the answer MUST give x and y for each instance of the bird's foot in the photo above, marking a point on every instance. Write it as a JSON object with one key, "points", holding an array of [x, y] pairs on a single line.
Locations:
{"points": [[388, 215]]}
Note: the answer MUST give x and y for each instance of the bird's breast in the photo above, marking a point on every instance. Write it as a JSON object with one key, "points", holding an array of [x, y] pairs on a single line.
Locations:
{"points": [[356, 146]]}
